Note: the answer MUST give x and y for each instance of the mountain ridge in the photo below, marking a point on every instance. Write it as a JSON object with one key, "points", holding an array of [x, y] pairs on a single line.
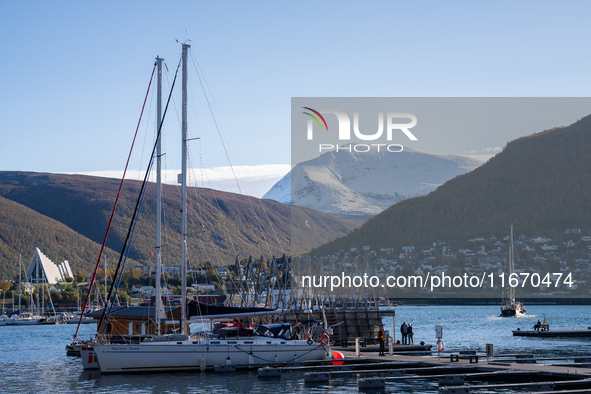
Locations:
{"points": [[222, 225], [539, 183]]}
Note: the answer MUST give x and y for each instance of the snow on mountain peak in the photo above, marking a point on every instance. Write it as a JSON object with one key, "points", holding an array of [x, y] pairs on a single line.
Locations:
{"points": [[365, 183]]}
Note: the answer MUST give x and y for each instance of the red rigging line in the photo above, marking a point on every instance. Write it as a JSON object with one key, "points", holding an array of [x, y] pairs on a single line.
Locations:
{"points": [[114, 205], [132, 223]]}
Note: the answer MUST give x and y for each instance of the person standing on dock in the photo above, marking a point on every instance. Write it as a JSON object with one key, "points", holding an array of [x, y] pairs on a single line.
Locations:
{"points": [[404, 332], [318, 330], [382, 340], [410, 334]]}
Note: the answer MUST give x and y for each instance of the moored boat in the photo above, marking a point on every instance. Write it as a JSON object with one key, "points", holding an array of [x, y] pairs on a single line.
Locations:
{"points": [[265, 345], [77, 317], [513, 309], [243, 348], [89, 360], [510, 307], [24, 319]]}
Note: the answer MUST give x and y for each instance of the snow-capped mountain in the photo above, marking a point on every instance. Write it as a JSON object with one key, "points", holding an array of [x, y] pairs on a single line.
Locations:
{"points": [[349, 184]]}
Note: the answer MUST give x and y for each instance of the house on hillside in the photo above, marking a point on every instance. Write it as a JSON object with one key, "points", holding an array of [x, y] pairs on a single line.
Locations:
{"points": [[142, 291], [222, 272], [549, 247], [203, 287], [26, 288]]}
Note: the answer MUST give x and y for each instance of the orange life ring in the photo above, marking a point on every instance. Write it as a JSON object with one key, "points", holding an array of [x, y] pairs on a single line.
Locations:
{"points": [[440, 345], [324, 339]]}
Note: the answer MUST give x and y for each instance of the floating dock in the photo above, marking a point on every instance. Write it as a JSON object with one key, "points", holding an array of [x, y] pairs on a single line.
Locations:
{"points": [[552, 333], [455, 377], [415, 350]]}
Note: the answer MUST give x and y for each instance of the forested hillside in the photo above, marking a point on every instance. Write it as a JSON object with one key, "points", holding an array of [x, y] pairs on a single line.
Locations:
{"points": [[22, 229], [540, 183], [221, 225]]}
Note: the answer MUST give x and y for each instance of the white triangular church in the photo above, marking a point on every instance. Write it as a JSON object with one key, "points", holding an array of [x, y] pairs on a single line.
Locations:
{"points": [[43, 270]]}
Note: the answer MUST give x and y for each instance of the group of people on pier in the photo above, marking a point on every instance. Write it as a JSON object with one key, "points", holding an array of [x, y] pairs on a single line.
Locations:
{"points": [[544, 326], [407, 331]]}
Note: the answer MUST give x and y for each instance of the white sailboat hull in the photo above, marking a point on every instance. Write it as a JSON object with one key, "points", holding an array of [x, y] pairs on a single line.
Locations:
{"points": [[88, 356], [23, 322], [188, 355]]}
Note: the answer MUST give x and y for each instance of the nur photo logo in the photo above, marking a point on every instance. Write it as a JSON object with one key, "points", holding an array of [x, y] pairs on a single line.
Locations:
{"points": [[392, 122]]}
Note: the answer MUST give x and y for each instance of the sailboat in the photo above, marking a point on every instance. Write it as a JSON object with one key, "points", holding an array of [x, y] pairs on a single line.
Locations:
{"points": [[236, 346], [3, 317], [26, 318], [510, 307]]}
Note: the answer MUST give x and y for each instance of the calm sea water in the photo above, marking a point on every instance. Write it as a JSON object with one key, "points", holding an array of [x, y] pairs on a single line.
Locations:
{"points": [[33, 358]]}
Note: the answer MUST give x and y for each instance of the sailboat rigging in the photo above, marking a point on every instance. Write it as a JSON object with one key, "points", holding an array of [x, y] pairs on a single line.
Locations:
{"points": [[242, 347], [159, 307], [510, 307]]}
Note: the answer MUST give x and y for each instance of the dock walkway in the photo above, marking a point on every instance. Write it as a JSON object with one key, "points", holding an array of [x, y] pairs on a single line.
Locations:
{"points": [[457, 377], [495, 364], [375, 371]]}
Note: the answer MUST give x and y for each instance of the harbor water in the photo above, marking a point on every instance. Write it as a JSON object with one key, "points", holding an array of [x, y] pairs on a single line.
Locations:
{"points": [[33, 358]]}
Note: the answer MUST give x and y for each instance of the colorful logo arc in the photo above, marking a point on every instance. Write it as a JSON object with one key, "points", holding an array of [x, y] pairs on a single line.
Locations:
{"points": [[315, 118]]}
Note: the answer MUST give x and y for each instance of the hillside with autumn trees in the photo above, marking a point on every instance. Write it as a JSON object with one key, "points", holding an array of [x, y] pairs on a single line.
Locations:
{"points": [[66, 216]]}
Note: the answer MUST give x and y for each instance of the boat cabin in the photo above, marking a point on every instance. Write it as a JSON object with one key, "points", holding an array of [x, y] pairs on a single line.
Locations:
{"points": [[137, 320]]}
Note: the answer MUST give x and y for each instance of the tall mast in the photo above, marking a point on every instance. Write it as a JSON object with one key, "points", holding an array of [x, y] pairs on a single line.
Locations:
{"points": [[184, 192], [37, 282], [42, 293], [20, 259], [511, 268], [159, 310], [105, 279]]}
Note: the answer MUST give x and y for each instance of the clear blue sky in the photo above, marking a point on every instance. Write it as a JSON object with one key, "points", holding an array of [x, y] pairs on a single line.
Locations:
{"points": [[73, 73]]}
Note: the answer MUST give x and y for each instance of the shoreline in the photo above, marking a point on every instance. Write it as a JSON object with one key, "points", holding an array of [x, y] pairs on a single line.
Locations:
{"points": [[485, 301]]}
